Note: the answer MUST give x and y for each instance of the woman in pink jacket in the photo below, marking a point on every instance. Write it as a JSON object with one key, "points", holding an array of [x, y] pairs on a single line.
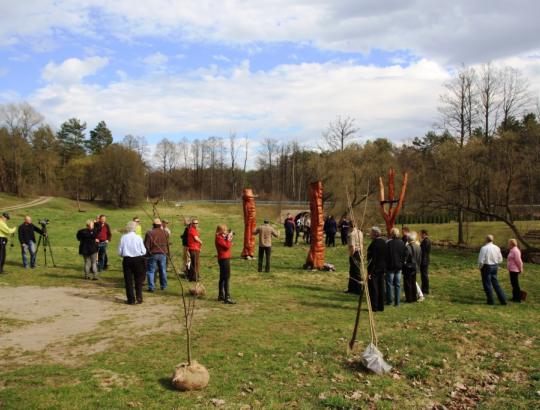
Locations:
{"points": [[515, 267]]}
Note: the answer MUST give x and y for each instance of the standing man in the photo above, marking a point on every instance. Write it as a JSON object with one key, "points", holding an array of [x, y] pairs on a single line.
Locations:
{"points": [[194, 247], [103, 235], [88, 249], [425, 246], [27, 239], [265, 233], [355, 244], [413, 259], [405, 237], [138, 227], [156, 242], [331, 231], [186, 261], [395, 253], [5, 231], [376, 255], [488, 260], [289, 230], [344, 226], [132, 250]]}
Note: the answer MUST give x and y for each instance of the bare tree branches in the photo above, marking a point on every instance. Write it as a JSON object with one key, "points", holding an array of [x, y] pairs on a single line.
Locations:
{"points": [[340, 133]]}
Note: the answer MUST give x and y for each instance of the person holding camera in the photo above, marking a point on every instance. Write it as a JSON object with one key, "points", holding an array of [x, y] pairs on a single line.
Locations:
{"points": [[223, 246], [5, 231], [27, 239], [103, 235], [88, 249]]}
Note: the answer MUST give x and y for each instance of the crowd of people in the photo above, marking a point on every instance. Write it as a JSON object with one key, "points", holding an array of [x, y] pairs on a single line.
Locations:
{"points": [[392, 262]]}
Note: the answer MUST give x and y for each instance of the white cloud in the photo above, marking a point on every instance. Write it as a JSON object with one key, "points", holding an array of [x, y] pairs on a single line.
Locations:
{"points": [[221, 57], [73, 70], [459, 31], [155, 60]]}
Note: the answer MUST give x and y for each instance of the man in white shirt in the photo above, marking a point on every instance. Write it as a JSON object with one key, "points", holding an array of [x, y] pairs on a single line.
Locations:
{"points": [[488, 260], [132, 250]]}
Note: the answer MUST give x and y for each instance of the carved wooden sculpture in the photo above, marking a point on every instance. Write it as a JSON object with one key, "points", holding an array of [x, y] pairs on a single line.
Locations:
{"points": [[315, 258], [390, 215], [250, 223]]}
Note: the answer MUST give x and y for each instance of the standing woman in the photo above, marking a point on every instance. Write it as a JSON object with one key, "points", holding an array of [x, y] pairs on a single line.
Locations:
{"points": [[88, 248], [515, 267], [223, 247], [411, 267]]}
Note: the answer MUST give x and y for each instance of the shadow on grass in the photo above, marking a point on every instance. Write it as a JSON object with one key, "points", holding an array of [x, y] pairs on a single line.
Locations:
{"points": [[167, 383]]}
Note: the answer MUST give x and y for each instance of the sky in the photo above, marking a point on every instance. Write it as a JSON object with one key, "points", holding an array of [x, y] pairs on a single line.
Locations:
{"points": [[279, 69]]}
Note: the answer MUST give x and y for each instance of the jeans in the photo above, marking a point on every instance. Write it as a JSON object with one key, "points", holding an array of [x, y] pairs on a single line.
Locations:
{"points": [[90, 265], [393, 280], [264, 250], [31, 248], [102, 256], [224, 277], [489, 279], [516, 290], [160, 260]]}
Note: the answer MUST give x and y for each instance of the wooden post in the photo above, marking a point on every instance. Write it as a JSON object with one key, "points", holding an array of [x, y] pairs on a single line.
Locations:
{"points": [[250, 223], [315, 258]]}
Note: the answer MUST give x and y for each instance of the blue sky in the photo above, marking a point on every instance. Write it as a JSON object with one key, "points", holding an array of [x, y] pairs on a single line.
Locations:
{"points": [[283, 69]]}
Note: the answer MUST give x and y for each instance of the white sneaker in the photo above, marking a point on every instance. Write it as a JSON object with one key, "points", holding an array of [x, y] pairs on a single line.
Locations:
{"points": [[421, 299]]}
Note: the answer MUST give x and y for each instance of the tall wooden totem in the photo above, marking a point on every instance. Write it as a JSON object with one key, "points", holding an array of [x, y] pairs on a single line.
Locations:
{"points": [[250, 223], [315, 257], [391, 214]]}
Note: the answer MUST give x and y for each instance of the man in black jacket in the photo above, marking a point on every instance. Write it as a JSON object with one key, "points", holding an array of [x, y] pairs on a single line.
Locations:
{"points": [[396, 253], [376, 256], [425, 245], [88, 249], [27, 239]]}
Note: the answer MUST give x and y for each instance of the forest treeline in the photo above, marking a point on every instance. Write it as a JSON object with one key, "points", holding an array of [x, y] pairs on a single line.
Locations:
{"points": [[481, 158]]}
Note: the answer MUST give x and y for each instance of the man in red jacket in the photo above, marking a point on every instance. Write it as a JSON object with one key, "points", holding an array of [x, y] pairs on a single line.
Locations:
{"points": [[223, 247], [194, 248], [103, 237]]}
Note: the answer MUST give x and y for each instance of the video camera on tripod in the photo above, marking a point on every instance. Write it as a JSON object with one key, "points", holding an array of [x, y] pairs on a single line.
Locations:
{"points": [[45, 240]]}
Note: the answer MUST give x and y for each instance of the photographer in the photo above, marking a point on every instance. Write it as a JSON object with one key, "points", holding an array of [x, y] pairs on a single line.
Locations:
{"points": [[27, 239], [4, 232], [223, 247]]}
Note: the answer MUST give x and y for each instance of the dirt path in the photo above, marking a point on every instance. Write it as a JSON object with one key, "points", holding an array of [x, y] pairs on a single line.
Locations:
{"points": [[62, 323], [38, 201]]}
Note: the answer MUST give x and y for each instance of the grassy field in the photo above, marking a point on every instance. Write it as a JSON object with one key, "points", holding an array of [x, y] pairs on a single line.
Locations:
{"points": [[282, 346]]}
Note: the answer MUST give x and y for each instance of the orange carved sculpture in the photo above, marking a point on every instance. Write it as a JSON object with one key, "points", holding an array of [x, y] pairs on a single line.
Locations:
{"points": [[315, 258], [391, 214], [250, 223]]}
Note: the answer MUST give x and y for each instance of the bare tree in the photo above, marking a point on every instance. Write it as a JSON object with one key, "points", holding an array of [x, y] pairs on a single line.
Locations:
{"points": [[166, 157], [515, 95], [20, 118], [457, 104], [233, 151], [489, 88], [267, 156], [340, 133], [135, 143]]}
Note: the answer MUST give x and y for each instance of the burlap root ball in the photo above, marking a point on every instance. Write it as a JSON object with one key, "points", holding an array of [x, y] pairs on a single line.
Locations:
{"points": [[193, 377], [198, 290]]}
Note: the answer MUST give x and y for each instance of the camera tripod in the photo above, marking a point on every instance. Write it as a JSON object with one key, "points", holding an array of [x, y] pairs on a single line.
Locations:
{"points": [[44, 238]]}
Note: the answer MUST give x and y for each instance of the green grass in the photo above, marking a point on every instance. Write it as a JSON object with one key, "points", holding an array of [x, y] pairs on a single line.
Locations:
{"points": [[284, 344]]}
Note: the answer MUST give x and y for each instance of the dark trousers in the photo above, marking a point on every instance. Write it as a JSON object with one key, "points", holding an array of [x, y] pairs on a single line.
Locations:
{"points": [[376, 291], [193, 274], [3, 246], [355, 280], [224, 276], [489, 280], [134, 273], [289, 238], [409, 284], [307, 235], [264, 250], [516, 290], [331, 237], [297, 235], [344, 236], [425, 279]]}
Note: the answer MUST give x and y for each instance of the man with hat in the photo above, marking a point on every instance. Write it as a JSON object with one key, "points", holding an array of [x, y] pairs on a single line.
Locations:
{"points": [[5, 231], [156, 243]]}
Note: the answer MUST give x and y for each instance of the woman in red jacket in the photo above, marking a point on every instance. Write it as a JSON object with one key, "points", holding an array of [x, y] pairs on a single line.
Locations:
{"points": [[223, 247]]}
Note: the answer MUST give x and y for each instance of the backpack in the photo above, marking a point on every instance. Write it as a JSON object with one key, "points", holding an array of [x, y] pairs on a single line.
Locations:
{"points": [[184, 237]]}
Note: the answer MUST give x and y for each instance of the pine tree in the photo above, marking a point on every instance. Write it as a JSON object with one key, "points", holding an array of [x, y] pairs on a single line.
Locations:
{"points": [[71, 140], [100, 138]]}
